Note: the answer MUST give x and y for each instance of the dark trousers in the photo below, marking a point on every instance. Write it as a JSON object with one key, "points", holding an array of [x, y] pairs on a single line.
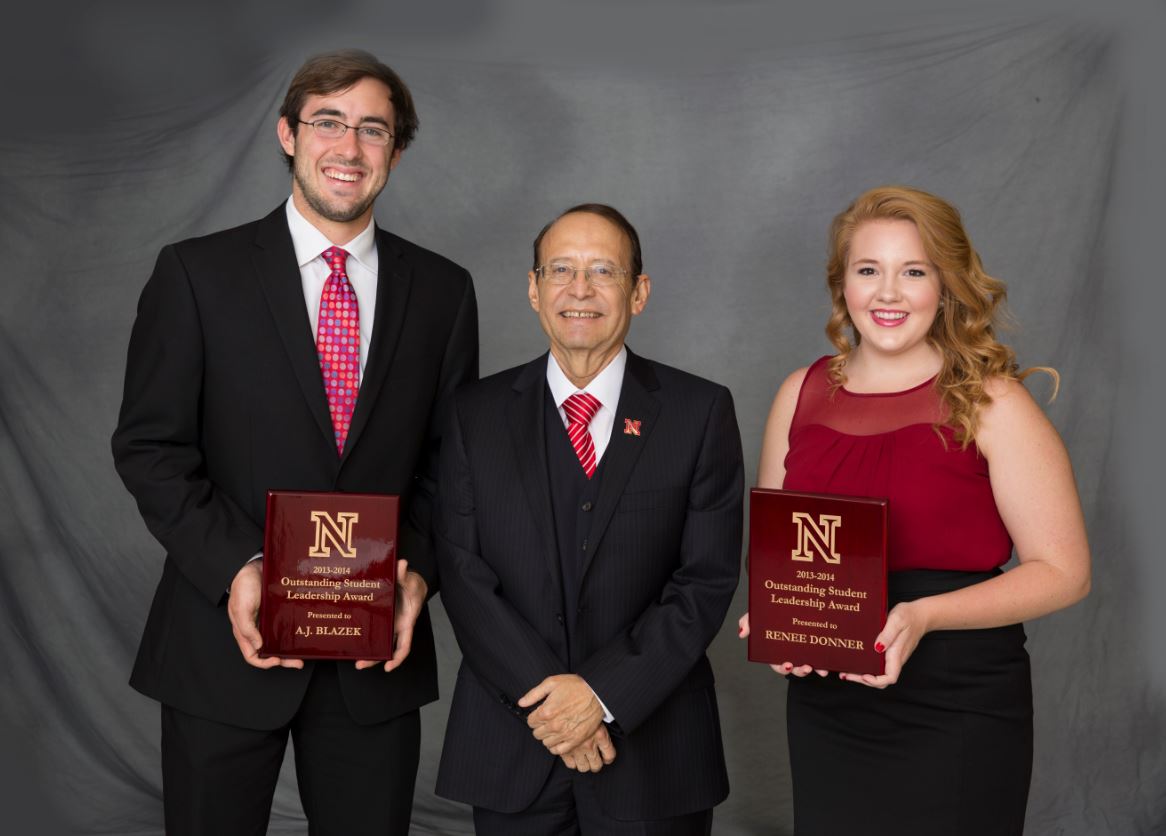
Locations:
{"points": [[219, 779], [568, 806]]}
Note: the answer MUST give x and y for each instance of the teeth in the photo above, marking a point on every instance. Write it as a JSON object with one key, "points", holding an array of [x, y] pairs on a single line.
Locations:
{"points": [[348, 178], [890, 314], [580, 314]]}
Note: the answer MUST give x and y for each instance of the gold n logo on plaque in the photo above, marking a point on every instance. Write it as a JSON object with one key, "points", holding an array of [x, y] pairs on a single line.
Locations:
{"points": [[816, 537], [333, 533]]}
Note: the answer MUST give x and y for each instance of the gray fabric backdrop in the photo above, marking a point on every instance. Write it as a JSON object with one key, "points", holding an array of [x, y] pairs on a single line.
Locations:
{"points": [[730, 133]]}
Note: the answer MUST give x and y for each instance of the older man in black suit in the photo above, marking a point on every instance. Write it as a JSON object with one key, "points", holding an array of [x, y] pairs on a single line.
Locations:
{"points": [[308, 350], [589, 538]]}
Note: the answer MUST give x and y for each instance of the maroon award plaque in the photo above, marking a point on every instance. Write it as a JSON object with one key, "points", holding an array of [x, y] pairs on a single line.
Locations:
{"points": [[329, 575], [817, 579]]}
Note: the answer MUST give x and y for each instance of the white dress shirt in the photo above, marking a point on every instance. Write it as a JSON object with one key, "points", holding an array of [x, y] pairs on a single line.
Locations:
{"points": [[605, 387], [361, 268]]}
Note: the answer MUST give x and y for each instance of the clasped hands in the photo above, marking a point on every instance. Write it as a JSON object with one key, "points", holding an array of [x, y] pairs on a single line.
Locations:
{"points": [[898, 639], [569, 722], [243, 611]]}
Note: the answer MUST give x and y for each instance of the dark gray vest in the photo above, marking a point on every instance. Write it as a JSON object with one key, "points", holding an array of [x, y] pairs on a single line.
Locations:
{"points": [[573, 498]]}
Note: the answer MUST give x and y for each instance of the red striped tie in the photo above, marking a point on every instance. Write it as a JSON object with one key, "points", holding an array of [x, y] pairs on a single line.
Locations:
{"points": [[580, 409]]}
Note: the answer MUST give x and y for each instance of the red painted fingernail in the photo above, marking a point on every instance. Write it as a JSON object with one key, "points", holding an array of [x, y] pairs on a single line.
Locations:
{"points": [[880, 647], [788, 666], [740, 631]]}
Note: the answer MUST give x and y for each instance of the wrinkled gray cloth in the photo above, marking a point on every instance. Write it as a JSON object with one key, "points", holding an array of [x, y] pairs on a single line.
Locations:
{"points": [[730, 135]]}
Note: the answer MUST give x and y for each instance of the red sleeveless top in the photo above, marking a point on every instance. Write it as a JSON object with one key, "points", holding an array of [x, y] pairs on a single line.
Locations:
{"points": [[941, 511]]}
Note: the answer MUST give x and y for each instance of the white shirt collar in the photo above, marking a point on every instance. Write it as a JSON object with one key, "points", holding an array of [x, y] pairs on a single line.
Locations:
{"points": [[605, 386], [309, 242]]}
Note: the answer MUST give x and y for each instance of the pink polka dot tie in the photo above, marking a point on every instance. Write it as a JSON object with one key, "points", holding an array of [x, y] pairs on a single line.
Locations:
{"points": [[581, 408], [338, 344]]}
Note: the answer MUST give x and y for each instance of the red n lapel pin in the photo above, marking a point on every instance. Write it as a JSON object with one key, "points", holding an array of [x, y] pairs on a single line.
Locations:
{"points": [[631, 427]]}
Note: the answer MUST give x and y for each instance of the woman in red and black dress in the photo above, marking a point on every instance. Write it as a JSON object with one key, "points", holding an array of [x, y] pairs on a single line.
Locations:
{"points": [[923, 406]]}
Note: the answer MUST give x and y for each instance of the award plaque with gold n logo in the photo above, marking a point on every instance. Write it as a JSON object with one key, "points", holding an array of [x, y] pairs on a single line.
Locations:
{"points": [[817, 579], [329, 575]]}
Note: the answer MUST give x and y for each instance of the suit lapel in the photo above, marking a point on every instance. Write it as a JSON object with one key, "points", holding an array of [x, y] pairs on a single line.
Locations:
{"points": [[636, 404], [279, 278], [394, 283], [528, 436]]}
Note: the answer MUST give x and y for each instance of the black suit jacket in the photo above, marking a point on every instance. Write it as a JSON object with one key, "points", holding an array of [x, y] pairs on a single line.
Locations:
{"points": [[664, 556], [224, 400]]}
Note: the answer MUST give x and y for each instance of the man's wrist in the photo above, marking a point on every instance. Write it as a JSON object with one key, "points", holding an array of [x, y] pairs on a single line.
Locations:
{"points": [[250, 560], [608, 717]]}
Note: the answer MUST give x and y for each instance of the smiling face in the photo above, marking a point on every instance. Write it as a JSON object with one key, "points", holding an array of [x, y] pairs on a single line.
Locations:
{"points": [[586, 324], [891, 288], [335, 181]]}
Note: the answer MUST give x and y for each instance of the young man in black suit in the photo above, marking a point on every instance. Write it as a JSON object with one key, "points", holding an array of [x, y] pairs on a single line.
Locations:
{"points": [[589, 539], [308, 350]]}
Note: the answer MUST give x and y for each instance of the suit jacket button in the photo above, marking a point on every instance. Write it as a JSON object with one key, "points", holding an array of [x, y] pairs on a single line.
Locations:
{"points": [[586, 506], [559, 617]]}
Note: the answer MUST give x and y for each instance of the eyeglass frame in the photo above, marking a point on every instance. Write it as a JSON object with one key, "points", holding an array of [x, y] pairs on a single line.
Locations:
{"points": [[377, 128], [619, 274]]}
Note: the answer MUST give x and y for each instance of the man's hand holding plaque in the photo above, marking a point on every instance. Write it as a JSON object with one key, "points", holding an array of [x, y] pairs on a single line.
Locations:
{"points": [[243, 610], [411, 593]]}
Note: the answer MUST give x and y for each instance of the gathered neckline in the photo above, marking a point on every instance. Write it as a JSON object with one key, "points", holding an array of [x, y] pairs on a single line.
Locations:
{"points": [[914, 388]]}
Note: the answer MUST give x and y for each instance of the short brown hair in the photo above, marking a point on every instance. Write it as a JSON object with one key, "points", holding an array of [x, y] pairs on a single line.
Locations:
{"points": [[608, 213], [335, 71]]}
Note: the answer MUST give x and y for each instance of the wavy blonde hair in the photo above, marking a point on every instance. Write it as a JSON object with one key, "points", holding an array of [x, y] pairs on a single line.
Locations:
{"points": [[971, 303]]}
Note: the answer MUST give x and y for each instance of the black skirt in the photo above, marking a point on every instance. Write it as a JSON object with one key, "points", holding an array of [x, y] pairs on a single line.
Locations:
{"points": [[945, 750]]}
